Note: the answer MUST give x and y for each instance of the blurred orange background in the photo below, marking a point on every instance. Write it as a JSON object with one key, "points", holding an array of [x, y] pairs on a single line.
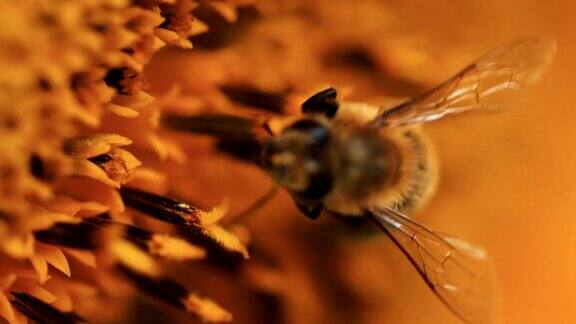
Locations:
{"points": [[508, 180]]}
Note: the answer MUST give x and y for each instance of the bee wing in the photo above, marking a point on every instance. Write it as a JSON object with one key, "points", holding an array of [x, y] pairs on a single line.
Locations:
{"points": [[482, 85], [460, 274]]}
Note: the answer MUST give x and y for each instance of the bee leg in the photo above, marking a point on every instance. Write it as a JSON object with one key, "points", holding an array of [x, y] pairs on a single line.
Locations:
{"points": [[323, 102], [257, 205], [309, 210]]}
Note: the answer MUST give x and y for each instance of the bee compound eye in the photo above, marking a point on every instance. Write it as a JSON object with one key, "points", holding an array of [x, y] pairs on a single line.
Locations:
{"points": [[315, 132]]}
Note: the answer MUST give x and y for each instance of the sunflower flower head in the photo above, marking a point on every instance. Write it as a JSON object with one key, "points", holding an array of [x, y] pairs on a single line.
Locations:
{"points": [[72, 94]]}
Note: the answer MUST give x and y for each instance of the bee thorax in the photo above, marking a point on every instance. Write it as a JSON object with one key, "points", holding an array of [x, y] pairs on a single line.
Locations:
{"points": [[363, 166]]}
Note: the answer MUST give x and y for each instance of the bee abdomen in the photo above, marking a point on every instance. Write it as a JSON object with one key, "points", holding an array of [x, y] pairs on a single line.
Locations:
{"points": [[418, 174]]}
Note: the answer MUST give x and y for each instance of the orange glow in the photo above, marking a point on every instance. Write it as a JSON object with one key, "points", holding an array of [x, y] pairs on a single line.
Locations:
{"points": [[85, 131]]}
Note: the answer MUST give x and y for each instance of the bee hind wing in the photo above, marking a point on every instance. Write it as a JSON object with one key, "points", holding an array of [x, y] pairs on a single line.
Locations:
{"points": [[461, 275], [483, 85]]}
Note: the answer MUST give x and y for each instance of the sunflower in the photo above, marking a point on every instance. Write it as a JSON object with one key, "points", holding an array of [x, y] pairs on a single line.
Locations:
{"points": [[72, 189]]}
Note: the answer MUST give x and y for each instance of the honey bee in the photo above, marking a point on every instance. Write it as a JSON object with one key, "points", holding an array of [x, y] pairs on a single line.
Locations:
{"points": [[358, 160]]}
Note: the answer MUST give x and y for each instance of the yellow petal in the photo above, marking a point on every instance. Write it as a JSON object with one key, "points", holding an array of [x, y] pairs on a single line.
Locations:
{"points": [[173, 248], [183, 43], [54, 256], [158, 146], [95, 145], [87, 189], [85, 257], [198, 27], [88, 169], [35, 290], [86, 148], [113, 139], [6, 279], [90, 208], [134, 258], [150, 179], [227, 240], [135, 101], [227, 11], [130, 160], [175, 152], [167, 36], [18, 246], [214, 215], [64, 302], [123, 111], [6, 309], [41, 268], [21, 268], [207, 309]]}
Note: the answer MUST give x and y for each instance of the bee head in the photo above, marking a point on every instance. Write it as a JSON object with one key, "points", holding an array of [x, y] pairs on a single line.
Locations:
{"points": [[299, 159]]}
